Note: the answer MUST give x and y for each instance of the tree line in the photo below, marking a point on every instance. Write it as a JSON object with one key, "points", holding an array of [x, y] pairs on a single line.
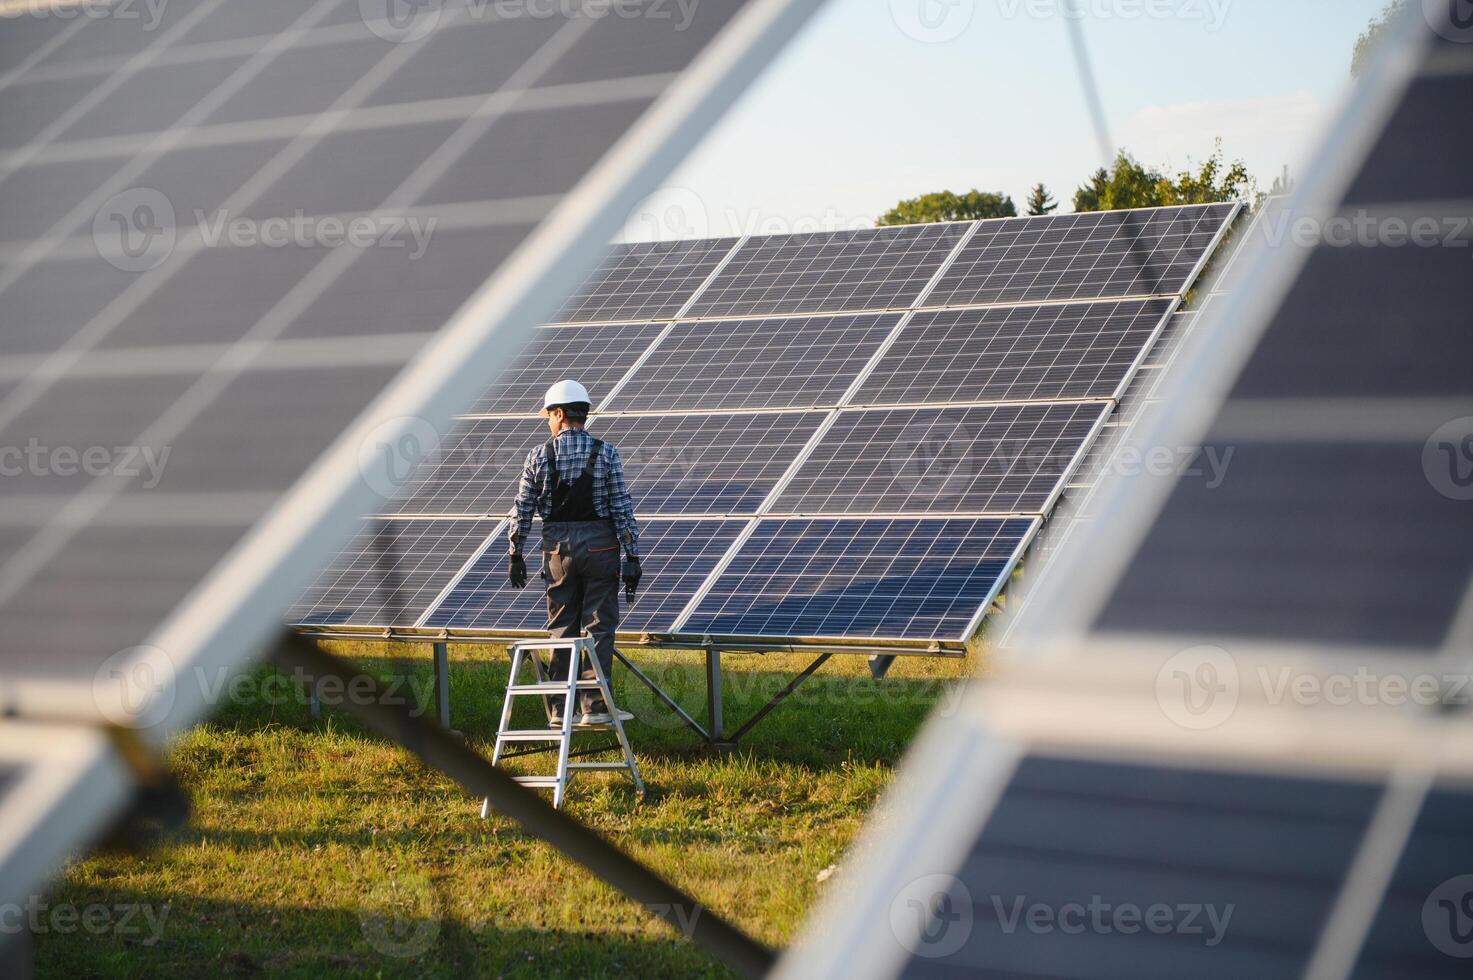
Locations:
{"points": [[1124, 184]]}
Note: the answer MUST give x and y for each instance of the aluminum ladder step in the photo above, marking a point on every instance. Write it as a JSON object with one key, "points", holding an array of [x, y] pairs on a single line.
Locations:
{"points": [[550, 687]]}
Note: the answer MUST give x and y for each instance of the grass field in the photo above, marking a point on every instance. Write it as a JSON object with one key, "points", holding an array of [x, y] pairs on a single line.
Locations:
{"points": [[318, 849]]}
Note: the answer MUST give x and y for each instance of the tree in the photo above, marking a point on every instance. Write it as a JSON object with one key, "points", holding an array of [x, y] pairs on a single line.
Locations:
{"points": [[1040, 201], [1366, 43], [946, 206], [1127, 184]]}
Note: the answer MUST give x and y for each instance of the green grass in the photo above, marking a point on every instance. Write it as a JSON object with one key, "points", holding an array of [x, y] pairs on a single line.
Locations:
{"points": [[318, 849]]}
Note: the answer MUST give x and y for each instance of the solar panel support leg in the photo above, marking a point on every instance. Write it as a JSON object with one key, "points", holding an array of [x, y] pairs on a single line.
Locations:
{"points": [[442, 684], [715, 725]]}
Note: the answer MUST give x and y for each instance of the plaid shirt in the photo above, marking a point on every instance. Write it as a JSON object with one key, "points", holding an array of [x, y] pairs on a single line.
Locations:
{"points": [[610, 492]]}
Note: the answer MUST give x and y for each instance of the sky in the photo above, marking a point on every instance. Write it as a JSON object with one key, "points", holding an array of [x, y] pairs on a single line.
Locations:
{"points": [[878, 100]]}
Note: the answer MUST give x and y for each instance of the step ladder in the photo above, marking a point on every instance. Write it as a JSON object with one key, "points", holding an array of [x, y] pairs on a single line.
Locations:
{"points": [[545, 687]]}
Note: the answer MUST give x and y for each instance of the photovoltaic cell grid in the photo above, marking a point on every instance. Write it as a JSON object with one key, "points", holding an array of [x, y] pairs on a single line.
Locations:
{"points": [[733, 364], [706, 464], [829, 272], [391, 572], [645, 281], [1081, 256], [474, 474], [678, 557], [1015, 353], [674, 464], [1002, 460], [104, 254], [1133, 836], [597, 356], [850, 578]]}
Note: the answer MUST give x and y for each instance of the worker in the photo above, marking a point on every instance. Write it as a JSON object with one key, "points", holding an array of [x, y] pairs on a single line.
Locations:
{"points": [[575, 483]]}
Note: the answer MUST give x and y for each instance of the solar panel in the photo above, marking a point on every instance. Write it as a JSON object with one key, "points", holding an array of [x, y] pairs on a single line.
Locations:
{"points": [[707, 464], [1015, 353], [1083, 256], [855, 578], [392, 572], [675, 464], [998, 460], [830, 272], [646, 280], [1237, 872], [675, 556], [1346, 430], [1421, 926], [209, 245], [474, 473], [770, 363], [598, 356]]}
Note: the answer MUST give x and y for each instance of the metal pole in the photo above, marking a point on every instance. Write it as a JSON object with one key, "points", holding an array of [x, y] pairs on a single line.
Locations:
{"points": [[666, 699], [781, 696], [442, 684], [438, 748], [714, 721]]}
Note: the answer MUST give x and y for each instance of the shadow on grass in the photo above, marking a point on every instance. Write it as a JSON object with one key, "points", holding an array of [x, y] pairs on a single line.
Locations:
{"points": [[829, 720], [400, 927]]}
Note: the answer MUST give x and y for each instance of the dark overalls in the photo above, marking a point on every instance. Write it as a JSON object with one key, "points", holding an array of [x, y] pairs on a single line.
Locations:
{"points": [[580, 562]]}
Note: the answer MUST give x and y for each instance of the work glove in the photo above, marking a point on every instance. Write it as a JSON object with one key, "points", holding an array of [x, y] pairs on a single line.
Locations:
{"points": [[518, 572], [632, 575]]}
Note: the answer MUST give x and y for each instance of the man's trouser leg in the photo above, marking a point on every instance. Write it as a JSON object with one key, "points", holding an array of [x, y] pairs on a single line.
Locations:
{"points": [[564, 600], [582, 569], [601, 602]]}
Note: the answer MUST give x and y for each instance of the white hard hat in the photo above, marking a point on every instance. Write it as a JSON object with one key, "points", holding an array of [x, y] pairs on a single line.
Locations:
{"points": [[565, 393]]}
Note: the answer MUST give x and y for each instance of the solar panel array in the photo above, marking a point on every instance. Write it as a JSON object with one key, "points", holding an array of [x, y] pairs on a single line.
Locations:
{"points": [[823, 443], [1235, 737]]}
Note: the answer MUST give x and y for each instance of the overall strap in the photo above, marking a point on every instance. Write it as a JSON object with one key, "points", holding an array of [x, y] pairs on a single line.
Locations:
{"points": [[553, 478], [592, 458]]}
